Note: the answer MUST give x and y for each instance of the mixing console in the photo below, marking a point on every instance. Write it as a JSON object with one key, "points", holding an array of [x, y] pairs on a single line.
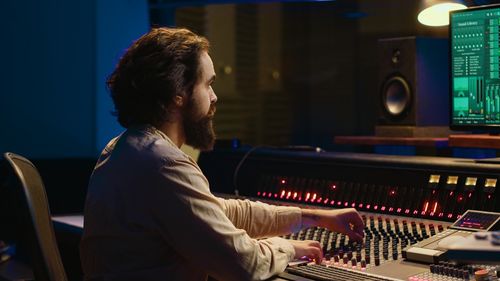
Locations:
{"points": [[416, 187], [441, 272], [379, 257], [385, 238], [381, 249], [408, 205]]}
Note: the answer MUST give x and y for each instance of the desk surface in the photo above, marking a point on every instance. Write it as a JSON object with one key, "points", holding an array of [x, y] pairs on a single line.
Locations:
{"points": [[73, 220]]}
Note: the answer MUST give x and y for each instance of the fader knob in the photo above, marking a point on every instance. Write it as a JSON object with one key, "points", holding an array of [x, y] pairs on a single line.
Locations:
{"points": [[349, 254], [358, 257]]}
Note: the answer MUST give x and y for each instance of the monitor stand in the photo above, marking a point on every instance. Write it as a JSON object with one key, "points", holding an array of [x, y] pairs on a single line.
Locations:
{"points": [[488, 141]]}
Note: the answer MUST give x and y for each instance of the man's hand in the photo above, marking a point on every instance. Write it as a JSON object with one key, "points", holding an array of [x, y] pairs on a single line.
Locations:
{"points": [[347, 221], [307, 248]]}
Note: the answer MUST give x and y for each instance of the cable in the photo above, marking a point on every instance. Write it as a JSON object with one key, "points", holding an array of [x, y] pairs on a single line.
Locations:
{"points": [[291, 148], [240, 164]]}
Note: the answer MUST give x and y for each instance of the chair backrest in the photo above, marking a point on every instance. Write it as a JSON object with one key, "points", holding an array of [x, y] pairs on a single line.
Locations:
{"points": [[34, 219]]}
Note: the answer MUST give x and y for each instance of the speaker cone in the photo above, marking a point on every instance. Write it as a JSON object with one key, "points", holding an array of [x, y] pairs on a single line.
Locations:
{"points": [[396, 96]]}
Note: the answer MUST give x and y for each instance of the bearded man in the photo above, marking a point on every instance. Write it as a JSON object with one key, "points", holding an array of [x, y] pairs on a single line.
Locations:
{"points": [[149, 212]]}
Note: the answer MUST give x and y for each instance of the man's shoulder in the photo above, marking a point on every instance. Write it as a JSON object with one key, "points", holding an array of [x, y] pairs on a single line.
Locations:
{"points": [[155, 148]]}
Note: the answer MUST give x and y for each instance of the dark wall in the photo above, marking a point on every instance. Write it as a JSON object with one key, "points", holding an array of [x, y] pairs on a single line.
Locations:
{"points": [[325, 53], [47, 78], [331, 63], [56, 56]]}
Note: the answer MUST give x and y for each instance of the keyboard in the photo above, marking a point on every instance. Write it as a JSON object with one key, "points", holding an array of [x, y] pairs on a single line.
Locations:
{"points": [[330, 273]]}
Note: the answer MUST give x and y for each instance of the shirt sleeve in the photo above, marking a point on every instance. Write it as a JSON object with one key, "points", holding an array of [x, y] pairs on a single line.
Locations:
{"points": [[260, 219], [193, 223]]}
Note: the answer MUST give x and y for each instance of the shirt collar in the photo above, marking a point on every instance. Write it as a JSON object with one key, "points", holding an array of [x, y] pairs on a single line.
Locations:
{"points": [[153, 130]]}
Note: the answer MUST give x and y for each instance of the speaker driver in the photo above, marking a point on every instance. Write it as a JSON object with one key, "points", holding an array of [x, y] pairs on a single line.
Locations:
{"points": [[396, 96]]}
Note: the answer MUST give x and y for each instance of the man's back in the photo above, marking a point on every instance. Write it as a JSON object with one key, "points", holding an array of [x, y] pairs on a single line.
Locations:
{"points": [[120, 234]]}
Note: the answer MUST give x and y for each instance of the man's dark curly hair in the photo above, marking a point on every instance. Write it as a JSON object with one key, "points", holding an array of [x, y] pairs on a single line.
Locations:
{"points": [[158, 66]]}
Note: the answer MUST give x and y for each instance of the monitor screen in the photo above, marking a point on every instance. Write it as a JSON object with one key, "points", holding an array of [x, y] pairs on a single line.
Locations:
{"points": [[475, 78], [477, 220]]}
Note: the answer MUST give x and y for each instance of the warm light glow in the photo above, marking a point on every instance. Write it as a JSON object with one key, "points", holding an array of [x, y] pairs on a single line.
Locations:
{"points": [[438, 15]]}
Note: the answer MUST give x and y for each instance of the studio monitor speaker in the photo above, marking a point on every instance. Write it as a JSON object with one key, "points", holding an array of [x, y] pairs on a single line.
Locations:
{"points": [[413, 82]]}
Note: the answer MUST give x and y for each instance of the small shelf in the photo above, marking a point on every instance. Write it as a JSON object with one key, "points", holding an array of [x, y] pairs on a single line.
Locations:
{"points": [[475, 141]]}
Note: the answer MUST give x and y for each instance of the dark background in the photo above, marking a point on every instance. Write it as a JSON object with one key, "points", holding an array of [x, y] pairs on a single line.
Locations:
{"points": [[301, 72], [291, 72]]}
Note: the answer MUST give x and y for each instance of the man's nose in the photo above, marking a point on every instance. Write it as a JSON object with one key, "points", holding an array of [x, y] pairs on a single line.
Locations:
{"points": [[213, 98]]}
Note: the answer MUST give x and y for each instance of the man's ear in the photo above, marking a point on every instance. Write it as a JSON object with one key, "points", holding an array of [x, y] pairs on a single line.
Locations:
{"points": [[179, 100]]}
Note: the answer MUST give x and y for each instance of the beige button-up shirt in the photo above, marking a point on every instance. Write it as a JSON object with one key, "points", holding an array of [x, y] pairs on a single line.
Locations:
{"points": [[150, 215]]}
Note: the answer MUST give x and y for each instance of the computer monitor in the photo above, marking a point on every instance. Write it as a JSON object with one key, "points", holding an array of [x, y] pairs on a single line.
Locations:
{"points": [[475, 75]]}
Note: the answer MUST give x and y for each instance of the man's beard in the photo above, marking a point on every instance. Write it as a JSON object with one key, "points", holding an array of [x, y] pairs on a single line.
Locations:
{"points": [[199, 132]]}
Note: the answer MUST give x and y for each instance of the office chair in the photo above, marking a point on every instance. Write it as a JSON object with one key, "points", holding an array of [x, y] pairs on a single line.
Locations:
{"points": [[34, 219]]}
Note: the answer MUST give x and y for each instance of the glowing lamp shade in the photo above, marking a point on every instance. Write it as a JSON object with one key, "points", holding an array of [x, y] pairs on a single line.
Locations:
{"points": [[438, 14]]}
